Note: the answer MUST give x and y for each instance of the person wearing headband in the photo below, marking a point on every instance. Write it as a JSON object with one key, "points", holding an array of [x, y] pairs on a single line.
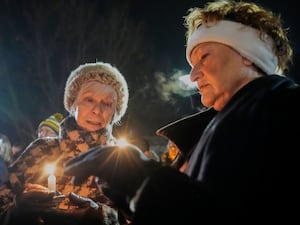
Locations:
{"points": [[241, 154]]}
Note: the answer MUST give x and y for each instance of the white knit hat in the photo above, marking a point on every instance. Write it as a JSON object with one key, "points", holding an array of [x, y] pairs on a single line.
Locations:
{"points": [[104, 73]]}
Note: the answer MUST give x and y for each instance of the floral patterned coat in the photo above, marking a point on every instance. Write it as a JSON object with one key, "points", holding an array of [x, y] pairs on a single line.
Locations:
{"points": [[30, 166]]}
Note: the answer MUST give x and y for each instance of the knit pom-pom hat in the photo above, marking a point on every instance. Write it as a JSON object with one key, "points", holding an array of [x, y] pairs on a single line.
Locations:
{"points": [[105, 73], [53, 122]]}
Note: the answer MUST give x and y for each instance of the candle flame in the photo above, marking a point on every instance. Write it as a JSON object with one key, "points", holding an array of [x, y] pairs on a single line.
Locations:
{"points": [[50, 169]]}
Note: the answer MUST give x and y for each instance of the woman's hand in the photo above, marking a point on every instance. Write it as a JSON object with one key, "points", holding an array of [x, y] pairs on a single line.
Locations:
{"points": [[35, 197], [123, 168]]}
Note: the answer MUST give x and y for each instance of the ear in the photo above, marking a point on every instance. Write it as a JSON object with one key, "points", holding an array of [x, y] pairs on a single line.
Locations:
{"points": [[247, 62]]}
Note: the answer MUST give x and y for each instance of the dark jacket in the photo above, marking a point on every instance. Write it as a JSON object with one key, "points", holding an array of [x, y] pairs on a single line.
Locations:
{"points": [[244, 168]]}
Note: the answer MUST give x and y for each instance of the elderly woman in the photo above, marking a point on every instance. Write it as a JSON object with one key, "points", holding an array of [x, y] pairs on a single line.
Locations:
{"points": [[243, 166], [96, 97]]}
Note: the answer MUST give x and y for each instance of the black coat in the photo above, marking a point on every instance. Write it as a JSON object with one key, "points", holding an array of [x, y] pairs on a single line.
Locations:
{"points": [[244, 168]]}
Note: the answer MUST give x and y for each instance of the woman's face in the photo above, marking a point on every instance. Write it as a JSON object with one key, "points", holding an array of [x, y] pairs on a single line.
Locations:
{"points": [[95, 105], [220, 72]]}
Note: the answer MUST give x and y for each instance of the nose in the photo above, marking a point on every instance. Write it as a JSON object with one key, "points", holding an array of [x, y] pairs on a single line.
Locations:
{"points": [[195, 73], [98, 109]]}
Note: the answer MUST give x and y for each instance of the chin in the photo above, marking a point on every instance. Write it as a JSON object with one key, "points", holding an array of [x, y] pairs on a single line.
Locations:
{"points": [[206, 104], [92, 129]]}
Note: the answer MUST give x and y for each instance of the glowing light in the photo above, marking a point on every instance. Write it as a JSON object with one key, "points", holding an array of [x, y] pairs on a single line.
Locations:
{"points": [[122, 142], [50, 169]]}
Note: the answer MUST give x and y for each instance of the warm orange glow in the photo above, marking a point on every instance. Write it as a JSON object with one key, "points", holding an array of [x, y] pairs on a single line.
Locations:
{"points": [[122, 142], [173, 150]]}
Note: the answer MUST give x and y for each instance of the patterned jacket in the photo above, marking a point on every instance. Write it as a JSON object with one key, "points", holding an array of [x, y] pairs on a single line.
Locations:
{"points": [[30, 166]]}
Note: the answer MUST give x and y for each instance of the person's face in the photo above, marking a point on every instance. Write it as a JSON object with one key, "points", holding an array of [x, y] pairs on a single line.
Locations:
{"points": [[219, 72], [95, 105], [45, 131]]}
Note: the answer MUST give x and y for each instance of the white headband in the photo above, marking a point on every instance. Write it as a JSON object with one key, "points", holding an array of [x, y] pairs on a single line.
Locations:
{"points": [[242, 38]]}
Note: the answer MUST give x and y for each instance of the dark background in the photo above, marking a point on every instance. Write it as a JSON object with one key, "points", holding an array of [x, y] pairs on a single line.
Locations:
{"points": [[41, 42]]}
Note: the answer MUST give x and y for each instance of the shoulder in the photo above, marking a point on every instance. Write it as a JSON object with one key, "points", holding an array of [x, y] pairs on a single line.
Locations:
{"points": [[38, 147], [42, 143]]}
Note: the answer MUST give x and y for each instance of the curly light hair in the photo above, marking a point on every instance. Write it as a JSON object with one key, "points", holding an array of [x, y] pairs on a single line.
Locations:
{"points": [[250, 14]]}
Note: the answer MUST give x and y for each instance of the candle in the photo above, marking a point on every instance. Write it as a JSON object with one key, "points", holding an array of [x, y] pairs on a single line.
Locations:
{"points": [[51, 178], [52, 183]]}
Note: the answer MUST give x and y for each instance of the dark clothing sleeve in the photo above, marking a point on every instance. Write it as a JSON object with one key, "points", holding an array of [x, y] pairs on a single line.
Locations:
{"points": [[169, 198]]}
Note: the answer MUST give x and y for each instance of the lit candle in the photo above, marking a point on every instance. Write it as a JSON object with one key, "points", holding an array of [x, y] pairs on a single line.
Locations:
{"points": [[51, 178]]}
